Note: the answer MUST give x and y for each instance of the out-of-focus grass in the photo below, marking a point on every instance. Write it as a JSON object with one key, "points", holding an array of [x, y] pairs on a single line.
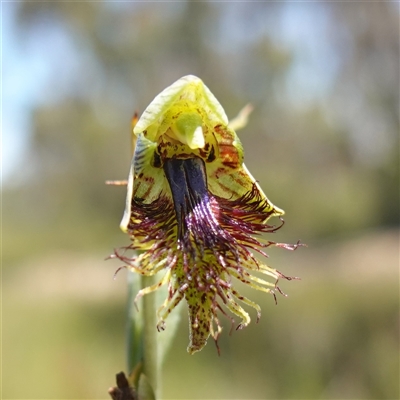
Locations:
{"points": [[63, 329], [335, 336]]}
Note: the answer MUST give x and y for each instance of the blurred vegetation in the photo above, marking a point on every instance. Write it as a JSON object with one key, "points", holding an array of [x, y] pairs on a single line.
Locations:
{"points": [[323, 141]]}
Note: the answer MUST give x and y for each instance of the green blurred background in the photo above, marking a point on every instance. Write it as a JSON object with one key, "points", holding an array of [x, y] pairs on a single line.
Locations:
{"points": [[322, 140]]}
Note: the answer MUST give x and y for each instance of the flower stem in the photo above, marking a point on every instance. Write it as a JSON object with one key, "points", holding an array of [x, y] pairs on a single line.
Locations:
{"points": [[134, 345], [151, 364], [142, 349]]}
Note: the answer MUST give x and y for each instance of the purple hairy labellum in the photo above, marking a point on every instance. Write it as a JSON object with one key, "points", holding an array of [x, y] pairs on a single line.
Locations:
{"points": [[195, 213]]}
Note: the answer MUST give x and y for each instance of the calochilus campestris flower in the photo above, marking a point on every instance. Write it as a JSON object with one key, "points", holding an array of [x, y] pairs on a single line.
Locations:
{"points": [[195, 212]]}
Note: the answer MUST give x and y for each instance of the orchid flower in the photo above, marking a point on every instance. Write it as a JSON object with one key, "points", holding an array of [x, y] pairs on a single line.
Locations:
{"points": [[194, 212]]}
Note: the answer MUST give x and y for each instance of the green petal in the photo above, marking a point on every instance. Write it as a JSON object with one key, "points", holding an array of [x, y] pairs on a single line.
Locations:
{"points": [[200, 318]]}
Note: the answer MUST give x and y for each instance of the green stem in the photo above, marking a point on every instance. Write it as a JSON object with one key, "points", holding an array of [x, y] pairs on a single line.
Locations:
{"points": [[142, 339], [134, 324], [151, 365]]}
